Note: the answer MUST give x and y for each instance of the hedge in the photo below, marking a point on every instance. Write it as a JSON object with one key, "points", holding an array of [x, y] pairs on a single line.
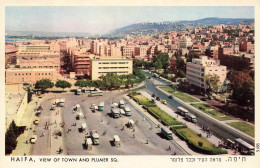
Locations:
{"points": [[211, 149], [165, 118]]}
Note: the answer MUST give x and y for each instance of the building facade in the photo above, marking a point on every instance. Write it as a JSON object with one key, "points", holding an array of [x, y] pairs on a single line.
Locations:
{"points": [[199, 67], [104, 65], [18, 75]]}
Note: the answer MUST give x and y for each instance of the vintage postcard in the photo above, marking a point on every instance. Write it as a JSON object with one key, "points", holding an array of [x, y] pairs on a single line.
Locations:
{"points": [[129, 85]]}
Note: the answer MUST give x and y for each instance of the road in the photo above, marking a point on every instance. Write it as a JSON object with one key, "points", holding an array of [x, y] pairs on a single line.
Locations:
{"points": [[133, 142], [151, 88]]}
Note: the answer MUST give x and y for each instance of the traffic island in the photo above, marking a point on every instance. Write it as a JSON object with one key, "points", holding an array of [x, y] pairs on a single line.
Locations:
{"points": [[196, 142]]}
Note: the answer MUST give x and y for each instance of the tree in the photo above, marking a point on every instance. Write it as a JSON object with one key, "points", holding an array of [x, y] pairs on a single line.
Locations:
{"points": [[180, 64], [181, 74], [44, 84], [10, 138], [245, 95], [211, 83], [63, 84], [191, 56], [81, 83]]}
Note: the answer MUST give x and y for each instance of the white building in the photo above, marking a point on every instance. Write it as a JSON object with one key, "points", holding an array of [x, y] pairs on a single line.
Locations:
{"points": [[185, 42], [103, 65], [199, 67]]}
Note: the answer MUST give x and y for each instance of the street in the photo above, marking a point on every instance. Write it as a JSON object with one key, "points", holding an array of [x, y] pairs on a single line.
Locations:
{"points": [[143, 139]]}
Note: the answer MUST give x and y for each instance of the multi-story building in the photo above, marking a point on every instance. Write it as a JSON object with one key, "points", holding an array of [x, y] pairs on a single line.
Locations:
{"points": [[199, 67], [128, 51], [185, 42], [81, 64], [19, 75], [104, 65]]}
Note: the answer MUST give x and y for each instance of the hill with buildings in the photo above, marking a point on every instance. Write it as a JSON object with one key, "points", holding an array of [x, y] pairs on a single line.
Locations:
{"points": [[160, 27]]}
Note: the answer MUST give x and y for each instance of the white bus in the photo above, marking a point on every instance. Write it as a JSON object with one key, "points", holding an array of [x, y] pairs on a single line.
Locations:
{"points": [[182, 111], [97, 92], [121, 104], [191, 117]]}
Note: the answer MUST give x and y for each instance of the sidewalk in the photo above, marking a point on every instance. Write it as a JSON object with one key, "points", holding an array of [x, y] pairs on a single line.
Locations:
{"points": [[181, 143], [27, 120]]}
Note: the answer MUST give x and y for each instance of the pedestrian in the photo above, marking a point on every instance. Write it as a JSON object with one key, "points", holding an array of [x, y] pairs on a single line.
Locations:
{"points": [[158, 125], [177, 115], [133, 135], [169, 148], [133, 130]]}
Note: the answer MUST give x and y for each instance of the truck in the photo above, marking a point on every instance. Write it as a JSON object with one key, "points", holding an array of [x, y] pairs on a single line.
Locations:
{"points": [[95, 137], [166, 133], [121, 104], [127, 111], [78, 92], [101, 106], [191, 118], [182, 111], [115, 113]]}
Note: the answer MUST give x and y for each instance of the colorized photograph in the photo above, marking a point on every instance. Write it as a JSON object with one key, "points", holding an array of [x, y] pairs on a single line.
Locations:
{"points": [[129, 80]]}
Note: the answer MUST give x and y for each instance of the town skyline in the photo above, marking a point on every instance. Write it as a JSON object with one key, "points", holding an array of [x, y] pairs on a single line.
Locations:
{"points": [[102, 20]]}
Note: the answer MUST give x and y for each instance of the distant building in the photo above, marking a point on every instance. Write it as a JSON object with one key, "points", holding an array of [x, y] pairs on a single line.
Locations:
{"points": [[81, 64], [104, 65], [199, 67], [185, 42], [17, 75]]}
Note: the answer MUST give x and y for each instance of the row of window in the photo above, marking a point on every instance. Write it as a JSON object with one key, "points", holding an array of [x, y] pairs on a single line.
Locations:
{"points": [[19, 74], [113, 63], [113, 72], [40, 67], [113, 67]]}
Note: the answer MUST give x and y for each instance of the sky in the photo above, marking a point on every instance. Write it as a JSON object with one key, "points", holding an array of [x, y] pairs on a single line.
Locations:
{"points": [[102, 20]]}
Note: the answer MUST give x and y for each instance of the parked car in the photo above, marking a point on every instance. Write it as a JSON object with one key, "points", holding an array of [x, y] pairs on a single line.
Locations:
{"points": [[164, 101], [153, 95], [171, 97], [36, 121], [158, 98], [33, 139]]}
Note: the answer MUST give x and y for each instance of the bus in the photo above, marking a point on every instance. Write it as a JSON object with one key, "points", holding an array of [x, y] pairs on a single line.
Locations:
{"points": [[78, 92], [121, 104], [182, 111], [97, 92], [127, 111], [191, 118], [101, 106], [244, 147], [166, 133], [115, 113]]}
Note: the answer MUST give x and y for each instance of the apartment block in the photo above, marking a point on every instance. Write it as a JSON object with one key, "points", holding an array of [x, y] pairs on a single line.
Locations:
{"points": [[199, 67]]}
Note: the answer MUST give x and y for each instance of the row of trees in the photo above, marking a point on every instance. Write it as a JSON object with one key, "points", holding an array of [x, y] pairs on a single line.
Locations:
{"points": [[113, 81], [47, 83], [108, 81]]}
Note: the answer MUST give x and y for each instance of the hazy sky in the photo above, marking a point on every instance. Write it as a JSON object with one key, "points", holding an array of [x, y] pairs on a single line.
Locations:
{"points": [[104, 19]]}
